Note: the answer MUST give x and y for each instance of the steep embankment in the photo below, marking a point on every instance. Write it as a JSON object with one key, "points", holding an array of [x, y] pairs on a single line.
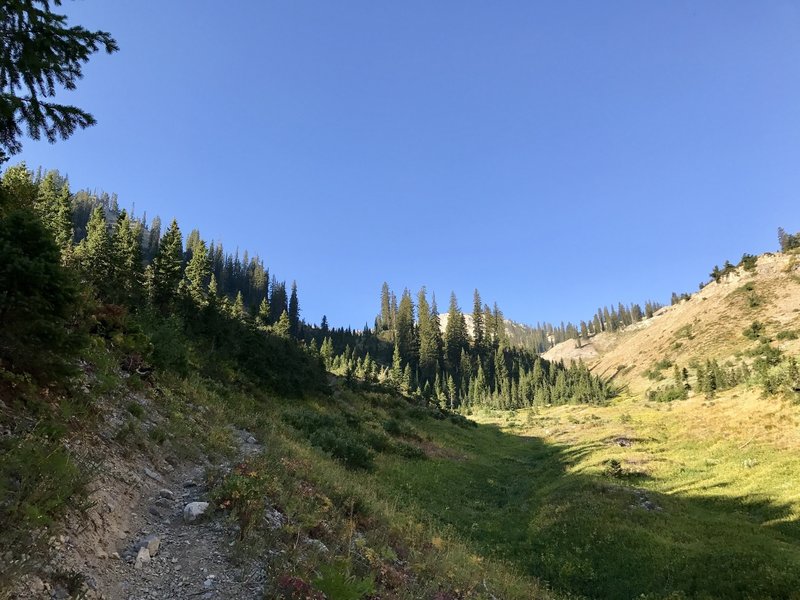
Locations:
{"points": [[709, 325]]}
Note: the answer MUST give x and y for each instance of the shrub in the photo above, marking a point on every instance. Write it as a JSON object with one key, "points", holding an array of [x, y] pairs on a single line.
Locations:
{"points": [[754, 331], [668, 393], [748, 262], [787, 334], [39, 481], [345, 447], [407, 450], [336, 582], [243, 492]]}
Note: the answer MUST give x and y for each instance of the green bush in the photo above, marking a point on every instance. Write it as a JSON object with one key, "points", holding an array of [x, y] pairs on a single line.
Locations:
{"points": [[754, 331], [787, 334], [39, 480], [345, 447], [337, 583], [668, 394]]}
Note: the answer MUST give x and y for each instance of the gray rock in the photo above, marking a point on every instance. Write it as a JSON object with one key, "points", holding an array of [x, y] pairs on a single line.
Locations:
{"points": [[153, 475], [273, 519], [142, 558], [165, 493], [251, 440], [36, 585], [194, 510], [152, 543]]}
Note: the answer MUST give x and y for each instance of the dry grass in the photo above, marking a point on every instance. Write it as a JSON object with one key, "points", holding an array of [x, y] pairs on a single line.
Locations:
{"points": [[707, 326]]}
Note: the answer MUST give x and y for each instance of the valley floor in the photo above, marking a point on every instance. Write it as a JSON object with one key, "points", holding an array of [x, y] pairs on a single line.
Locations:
{"points": [[698, 498]]}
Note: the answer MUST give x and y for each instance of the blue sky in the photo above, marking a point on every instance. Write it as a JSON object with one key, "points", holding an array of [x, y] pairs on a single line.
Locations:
{"points": [[556, 155]]}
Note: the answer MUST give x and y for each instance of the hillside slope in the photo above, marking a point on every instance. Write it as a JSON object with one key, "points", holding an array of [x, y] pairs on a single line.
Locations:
{"points": [[709, 325]]}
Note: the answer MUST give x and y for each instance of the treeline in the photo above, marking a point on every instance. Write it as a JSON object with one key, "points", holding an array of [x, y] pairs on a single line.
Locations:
{"points": [[544, 336], [459, 366], [234, 275], [157, 301]]}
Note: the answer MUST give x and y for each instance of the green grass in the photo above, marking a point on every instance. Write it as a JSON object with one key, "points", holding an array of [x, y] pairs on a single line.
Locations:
{"points": [[725, 518], [631, 500]]}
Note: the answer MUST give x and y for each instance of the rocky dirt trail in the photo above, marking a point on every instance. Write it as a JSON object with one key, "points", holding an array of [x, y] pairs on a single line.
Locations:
{"points": [[149, 535]]}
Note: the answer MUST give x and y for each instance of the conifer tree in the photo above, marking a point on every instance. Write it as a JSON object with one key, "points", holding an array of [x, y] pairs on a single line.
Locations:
{"points": [[326, 352], [127, 261], [237, 308], [40, 51], [428, 338], [54, 208], [95, 254], [262, 316], [478, 326], [278, 301], [397, 366], [167, 268], [501, 376], [404, 329], [294, 312], [455, 336], [283, 326], [385, 316], [198, 272], [153, 239]]}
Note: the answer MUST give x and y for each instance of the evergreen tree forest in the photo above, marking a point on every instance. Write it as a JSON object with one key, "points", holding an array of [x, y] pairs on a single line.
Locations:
{"points": [[176, 301], [77, 264], [470, 361]]}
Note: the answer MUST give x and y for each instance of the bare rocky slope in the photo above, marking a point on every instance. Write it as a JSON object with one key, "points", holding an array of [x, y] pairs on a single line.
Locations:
{"points": [[709, 324]]}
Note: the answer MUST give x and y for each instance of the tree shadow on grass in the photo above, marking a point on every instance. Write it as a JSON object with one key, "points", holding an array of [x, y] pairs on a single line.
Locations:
{"points": [[605, 536]]}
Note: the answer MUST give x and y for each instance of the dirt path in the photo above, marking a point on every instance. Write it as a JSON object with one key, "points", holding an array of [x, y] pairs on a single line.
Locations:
{"points": [[138, 504]]}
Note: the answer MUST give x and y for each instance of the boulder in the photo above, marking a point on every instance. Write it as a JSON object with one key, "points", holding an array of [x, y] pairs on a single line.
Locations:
{"points": [[194, 510]]}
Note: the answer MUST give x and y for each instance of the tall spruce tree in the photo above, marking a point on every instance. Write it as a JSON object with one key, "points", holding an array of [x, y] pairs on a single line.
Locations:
{"points": [[294, 312], [456, 338], [127, 258], [95, 255], [197, 274], [167, 268], [478, 327], [55, 209], [404, 329], [428, 339]]}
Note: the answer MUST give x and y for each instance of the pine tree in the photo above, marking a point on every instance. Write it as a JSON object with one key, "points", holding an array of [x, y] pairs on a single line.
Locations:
{"points": [[278, 301], [428, 339], [94, 254], [127, 261], [397, 366], [153, 240], [455, 337], [404, 329], [262, 316], [294, 312], [502, 385], [238, 311], [478, 326], [283, 326], [55, 209], [385, 316], [326, 352], [167, 268], [198, 272], [40, 50]]}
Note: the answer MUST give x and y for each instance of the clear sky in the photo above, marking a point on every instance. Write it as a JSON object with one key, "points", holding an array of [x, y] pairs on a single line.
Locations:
{"points": [[555, 155]]}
